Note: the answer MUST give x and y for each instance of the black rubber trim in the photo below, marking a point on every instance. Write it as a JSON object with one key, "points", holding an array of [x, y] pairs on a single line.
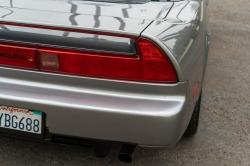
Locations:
{"points": [[85, 44]]}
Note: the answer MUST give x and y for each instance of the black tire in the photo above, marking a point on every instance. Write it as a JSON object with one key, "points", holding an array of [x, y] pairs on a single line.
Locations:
{"points": [[194, 121]]}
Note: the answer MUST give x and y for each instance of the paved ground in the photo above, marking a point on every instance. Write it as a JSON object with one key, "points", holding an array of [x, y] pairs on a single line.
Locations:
{"points": [[223, 136]]}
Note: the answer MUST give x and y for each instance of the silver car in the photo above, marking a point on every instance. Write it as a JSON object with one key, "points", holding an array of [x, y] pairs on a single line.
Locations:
{"points": [[90, 73]]}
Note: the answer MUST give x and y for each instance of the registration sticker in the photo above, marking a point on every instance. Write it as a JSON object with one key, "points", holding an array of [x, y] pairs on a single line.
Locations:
{"points": [[21, 119]]}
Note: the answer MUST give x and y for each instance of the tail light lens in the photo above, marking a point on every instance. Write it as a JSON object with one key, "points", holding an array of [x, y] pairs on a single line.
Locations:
{"points": [[150, 64], [155, 66]]}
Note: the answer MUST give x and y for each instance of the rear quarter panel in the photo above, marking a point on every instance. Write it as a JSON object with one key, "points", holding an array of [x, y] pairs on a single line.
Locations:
{"points": [[184, 33]]}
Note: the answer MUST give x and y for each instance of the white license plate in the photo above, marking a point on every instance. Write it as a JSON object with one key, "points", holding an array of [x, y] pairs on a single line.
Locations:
{"points": [[21, 119]]}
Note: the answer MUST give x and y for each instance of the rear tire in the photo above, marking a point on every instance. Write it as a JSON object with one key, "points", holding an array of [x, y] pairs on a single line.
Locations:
{"points": [[194, 121]]}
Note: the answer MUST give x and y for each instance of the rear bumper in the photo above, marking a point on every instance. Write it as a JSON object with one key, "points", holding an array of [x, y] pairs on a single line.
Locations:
{"points": [[141, 113]]}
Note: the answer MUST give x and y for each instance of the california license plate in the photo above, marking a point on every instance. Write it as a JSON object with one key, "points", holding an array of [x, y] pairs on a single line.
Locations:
{"points": [[21, 119]]}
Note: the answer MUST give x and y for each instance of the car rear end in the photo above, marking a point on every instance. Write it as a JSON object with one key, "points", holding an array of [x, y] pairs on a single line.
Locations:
{"points": [[97, 84]]}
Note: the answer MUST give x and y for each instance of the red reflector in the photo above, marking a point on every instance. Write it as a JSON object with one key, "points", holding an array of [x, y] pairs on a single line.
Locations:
{"points": [[49, 61], [195, 88], [17, 55]]}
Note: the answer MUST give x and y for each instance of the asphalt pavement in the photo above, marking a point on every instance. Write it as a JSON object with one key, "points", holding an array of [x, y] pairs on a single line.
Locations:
{"points": [[223, 137]]}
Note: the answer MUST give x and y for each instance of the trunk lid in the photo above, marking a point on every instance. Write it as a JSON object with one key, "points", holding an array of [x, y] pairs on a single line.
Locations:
{"points": [[130, 19]]}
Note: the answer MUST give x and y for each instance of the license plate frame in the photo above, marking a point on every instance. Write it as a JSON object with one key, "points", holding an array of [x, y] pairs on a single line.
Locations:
{"points": [[24, 134]]}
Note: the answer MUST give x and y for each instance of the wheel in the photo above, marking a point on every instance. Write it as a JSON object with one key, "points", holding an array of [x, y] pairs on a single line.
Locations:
{"points": [[194, 121]]}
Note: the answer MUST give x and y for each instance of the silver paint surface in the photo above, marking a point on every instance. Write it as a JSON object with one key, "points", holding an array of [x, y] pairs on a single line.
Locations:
{"points": [[128, 19], [147, 114], [183, 33], [150, 10], [101, 109]]}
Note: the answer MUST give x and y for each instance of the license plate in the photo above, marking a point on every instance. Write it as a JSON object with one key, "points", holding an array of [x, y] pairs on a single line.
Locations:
{"points": [[21, 119]]}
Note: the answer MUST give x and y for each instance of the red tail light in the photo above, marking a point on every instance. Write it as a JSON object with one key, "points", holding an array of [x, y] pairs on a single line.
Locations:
{"points": [[150, 63], [155, 66]]}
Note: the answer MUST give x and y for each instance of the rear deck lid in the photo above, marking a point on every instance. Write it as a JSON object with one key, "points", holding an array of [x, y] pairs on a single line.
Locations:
{"points": [[119, 18]]}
